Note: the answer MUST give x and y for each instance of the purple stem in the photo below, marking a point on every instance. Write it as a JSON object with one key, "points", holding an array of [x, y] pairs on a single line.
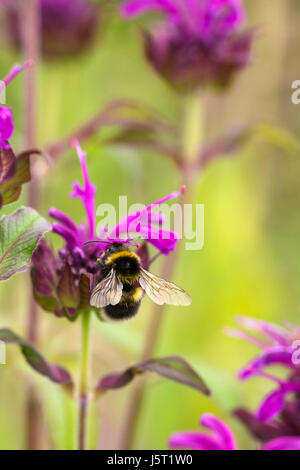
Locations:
{"points": [[31, 48]]}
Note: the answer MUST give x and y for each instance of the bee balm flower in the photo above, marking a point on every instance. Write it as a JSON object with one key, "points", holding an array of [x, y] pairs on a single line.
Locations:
{"points": [[199, 42], [279, 412], [67, 26], [63, 282]]}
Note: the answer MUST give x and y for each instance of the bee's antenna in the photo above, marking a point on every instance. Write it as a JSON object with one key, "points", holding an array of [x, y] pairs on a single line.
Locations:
{"points": [[95, 241], [109, 242]]}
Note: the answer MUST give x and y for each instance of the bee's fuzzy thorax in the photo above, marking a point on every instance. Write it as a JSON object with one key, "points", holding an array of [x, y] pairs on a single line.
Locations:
{"points": [[120, 254], [126, 264]]}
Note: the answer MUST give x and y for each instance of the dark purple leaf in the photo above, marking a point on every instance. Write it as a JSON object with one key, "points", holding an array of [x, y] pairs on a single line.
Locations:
{"points": [[125, 115], [67, 289], [84, 289], [260, 430], [44, 275], [35, 359], [146, 138], [19, 236], [54, 286], [223, 147], [14, 172], [7, 164], [172, 367]]}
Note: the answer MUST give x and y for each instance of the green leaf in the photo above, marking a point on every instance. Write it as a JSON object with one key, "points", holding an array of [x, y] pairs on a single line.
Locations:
{"points": [[55, 373], [19, 236], [171, 367]]}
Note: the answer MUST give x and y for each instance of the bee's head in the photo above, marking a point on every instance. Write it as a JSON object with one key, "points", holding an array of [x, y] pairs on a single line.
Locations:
{"points": [[115, 247]]}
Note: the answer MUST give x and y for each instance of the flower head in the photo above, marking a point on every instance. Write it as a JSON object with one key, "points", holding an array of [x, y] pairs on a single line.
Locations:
{"points": [[67, 26], [221, 437], [63, 282], [199, 42], [281, 407]]}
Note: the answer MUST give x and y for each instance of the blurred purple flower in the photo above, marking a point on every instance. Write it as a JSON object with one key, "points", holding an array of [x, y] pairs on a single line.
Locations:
{"points": [[199, 42], [279, 347], [6, 116], [222, 438], [146, 223], [59, 281], [68, 26]]}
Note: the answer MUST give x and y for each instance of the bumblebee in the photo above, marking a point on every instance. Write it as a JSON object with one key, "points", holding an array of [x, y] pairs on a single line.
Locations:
{"points": [[125, 282]]}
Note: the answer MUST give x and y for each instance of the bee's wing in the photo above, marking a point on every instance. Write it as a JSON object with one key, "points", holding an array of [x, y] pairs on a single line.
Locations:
{"points": [[108, 291], [161, 291]]}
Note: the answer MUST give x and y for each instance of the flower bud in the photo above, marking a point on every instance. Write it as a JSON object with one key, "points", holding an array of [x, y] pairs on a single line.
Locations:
{"points": [[67, 26]]}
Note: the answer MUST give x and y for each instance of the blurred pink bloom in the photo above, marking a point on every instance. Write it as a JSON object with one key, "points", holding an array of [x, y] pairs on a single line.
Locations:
{"points": [[220, 437], [277, 349], [6, 116], [203, 18]]}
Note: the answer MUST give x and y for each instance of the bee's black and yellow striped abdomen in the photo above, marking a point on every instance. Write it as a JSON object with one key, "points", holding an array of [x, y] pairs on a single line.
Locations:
{"points": [[127, 267], [128, 305]]}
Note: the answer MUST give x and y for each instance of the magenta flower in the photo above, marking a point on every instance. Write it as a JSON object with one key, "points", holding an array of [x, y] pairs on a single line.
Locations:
{"points": [[199, 42], [6, 116], [62, 283], [222, 438], [6, 126], [279, 412], [68, 26]]}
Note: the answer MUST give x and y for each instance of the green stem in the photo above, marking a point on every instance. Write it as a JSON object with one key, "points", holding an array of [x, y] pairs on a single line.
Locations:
{"points": [[193, 126], [83, 397]]}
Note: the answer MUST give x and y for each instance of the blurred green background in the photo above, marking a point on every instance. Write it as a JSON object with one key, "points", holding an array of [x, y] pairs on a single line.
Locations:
{"points": [[250, 263]]}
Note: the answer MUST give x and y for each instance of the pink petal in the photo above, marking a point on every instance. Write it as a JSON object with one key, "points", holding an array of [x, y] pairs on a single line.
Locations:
{"points": [[193, 440], [134, 8], [277, 355], [283, 443], [222, 433], [6, 124], [63, 218], [271, 406], [86, 193], [141, 223]]}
